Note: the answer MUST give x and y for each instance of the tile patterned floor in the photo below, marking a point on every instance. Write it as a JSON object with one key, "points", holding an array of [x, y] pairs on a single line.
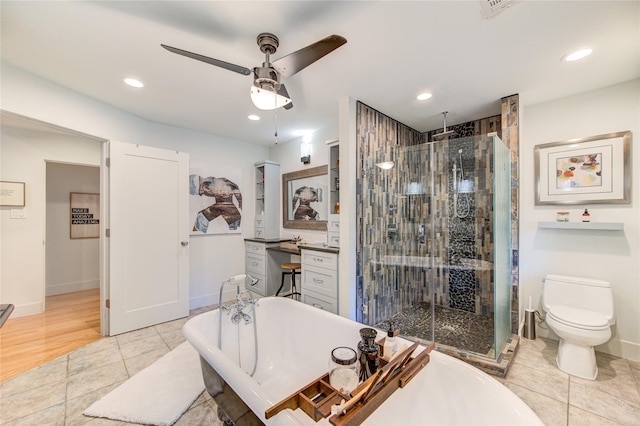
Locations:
{"points": [[58, 392]]}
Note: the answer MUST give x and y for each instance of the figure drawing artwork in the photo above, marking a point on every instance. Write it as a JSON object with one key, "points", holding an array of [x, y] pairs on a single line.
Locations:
{"points": [[579, 171], [215, 201]]}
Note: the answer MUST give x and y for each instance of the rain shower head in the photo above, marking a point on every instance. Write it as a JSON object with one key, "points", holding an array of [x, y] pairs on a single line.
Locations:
{"points": [[444, 132]]}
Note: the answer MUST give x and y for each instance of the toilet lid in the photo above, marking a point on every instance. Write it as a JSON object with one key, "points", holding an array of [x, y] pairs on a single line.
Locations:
{"points": [[579, 318]]}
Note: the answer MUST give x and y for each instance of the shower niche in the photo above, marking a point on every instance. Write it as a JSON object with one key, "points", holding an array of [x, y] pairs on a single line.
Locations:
{"points": [[434, 258]]}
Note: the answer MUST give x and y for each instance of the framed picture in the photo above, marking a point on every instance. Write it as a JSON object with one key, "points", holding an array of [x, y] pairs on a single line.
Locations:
{"points": [[304, 199], [215, 199], [595, 169], [85, 215], [11, 194]]}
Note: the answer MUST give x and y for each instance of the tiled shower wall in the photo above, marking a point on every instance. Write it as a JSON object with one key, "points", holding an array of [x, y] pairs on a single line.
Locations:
{"points": [[379, 289]]}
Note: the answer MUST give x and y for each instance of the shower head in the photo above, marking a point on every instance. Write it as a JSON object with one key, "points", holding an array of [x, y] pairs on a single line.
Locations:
{"points": [[459, 151], [444, 132]]}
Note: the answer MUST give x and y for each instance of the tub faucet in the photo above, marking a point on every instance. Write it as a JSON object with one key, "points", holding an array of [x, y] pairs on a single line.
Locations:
{"points": [[241, 302]]}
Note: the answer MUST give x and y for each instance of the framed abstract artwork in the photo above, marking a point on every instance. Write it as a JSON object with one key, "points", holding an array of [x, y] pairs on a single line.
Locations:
{"points": [[594, 169]]}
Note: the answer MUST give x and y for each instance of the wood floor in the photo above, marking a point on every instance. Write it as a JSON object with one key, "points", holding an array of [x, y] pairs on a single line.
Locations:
{"points": [[70, 321]]}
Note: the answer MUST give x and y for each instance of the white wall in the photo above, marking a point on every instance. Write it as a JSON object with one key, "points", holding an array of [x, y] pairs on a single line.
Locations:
{"points": [[213, 258], [610, 256], [71, 264]]}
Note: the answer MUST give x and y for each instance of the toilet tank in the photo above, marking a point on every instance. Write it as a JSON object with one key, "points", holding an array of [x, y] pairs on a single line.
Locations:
{"points": [[578, 292]]}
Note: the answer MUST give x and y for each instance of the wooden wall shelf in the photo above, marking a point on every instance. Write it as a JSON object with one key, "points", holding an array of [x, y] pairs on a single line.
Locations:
{"points": [[598, 226]]}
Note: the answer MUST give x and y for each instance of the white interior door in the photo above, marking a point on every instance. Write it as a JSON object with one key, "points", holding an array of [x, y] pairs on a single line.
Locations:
{"points": [[148, 252]]}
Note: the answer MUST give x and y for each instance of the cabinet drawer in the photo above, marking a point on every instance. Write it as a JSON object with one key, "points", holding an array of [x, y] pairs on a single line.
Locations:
{"points": [[320, 259], [333, 225], [259, 233], [320, 302], [254, 248], [255, 264], [320, 280], [333, 239], [260, 221]]}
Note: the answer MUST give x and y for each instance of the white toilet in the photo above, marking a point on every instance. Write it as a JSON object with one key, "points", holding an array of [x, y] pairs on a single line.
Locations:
{"points": [[580, 311]]}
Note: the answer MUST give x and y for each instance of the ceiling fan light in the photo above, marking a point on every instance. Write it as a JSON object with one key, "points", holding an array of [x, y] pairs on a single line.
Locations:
{"points": [[266, 99]]}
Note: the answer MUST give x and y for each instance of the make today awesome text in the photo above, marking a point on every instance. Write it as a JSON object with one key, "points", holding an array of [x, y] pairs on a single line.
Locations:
{"points": [[81, 216]]}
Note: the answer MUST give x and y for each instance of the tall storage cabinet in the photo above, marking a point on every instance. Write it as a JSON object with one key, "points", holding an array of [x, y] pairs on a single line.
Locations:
{"points": [[333, 223], [267, 190]]}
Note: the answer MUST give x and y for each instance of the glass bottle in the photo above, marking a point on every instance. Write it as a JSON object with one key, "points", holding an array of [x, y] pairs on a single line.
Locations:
{"points": [[368, 353]]}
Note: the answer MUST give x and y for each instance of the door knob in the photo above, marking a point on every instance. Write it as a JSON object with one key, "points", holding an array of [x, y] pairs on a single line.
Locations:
{"points": [[184, 243]]}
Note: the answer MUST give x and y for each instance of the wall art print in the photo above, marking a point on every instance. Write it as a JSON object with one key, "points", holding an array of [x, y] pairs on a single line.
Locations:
{"points": [[595, 169], [215, 200], [84, 215]]}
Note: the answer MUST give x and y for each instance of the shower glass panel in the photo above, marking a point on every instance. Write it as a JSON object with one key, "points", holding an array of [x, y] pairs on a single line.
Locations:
{"points": [[502, 242], [435, 248]]}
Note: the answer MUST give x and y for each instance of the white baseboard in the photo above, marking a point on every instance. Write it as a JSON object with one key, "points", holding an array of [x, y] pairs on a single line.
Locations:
{"points": [[53, 289], [26, 310]]}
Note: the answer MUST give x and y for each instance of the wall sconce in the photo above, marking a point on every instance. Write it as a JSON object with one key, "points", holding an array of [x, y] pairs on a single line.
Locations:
{"points": [[305, 153]]}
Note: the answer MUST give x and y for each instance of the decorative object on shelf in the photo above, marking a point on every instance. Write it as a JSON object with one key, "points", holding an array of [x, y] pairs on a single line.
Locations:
{"points": [[12, 193], [336, 208], [85, 215], [562, 217], [586, 217], [337, 180], [595, 169], [303, 204]]}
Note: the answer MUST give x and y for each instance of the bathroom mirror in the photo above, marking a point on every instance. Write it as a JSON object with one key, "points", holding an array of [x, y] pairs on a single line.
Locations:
{"points": [[305, 203]]}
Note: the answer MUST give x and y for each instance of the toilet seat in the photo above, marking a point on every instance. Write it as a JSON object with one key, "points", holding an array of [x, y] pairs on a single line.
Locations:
{"points": [[578, 318]]}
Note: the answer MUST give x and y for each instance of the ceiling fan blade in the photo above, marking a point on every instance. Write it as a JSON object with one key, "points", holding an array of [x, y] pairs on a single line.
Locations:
{"points": [[283, 92], [208, 60], [300, 59]]}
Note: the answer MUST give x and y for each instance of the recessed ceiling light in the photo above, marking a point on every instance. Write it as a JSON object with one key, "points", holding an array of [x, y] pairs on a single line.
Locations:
{"points": [[578, 54], [424, 96], [253, 117], [133, 82]]}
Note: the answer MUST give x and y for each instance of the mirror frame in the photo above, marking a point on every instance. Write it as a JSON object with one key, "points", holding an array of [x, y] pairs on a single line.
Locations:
{"points": [[320, 225]]}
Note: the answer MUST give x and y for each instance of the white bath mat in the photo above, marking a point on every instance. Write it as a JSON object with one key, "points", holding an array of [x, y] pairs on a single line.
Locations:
{"points": [[157, 395]]}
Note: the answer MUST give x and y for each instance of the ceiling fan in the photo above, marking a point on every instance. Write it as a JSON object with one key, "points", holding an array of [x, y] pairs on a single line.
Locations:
{"points": [[267, 92]]}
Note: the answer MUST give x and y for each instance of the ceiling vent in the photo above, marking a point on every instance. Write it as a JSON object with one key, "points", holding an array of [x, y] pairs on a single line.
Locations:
{"points": [[491, 8]]}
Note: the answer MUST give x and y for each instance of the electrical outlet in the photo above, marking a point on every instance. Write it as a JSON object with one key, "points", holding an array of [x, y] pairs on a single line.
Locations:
{"points": [[18, 214]]}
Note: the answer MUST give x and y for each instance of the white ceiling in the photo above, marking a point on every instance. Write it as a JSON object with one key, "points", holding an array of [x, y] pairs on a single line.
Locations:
{"points": [[395, 50]]}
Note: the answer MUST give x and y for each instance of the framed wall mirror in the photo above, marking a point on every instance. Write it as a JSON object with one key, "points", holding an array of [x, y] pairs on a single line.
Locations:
{"points": [[305, 199]]}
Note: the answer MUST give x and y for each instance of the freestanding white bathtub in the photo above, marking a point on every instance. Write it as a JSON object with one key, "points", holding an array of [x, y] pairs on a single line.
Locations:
{"points": [[294, 345]]}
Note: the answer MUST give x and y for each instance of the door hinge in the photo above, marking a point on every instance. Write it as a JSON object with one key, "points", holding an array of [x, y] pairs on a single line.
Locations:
{"points": [[108, 303], [108, 232], [108, 162]]}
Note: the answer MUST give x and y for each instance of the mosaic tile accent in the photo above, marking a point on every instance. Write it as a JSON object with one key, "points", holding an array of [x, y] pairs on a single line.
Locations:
{"points": [[453, 327], [390, 218]]}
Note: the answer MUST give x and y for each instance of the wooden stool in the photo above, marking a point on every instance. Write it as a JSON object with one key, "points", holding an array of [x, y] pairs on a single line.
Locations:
{"points": [[292, 269]]}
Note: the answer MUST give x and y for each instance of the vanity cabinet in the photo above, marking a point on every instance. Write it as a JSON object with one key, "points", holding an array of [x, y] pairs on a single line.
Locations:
{"points": [[267, 194], [264, 265], [320, 278]]}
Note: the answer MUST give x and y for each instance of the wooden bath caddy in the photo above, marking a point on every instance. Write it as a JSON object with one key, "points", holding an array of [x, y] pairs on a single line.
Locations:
{"points": [[317, 398]]}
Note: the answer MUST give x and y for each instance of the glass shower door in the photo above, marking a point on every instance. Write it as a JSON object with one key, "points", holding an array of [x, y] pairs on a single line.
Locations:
{"points": [[502, 245]]}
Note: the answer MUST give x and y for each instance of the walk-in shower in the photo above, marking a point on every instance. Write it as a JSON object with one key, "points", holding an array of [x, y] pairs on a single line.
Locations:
{"points": [[434, 254]]}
